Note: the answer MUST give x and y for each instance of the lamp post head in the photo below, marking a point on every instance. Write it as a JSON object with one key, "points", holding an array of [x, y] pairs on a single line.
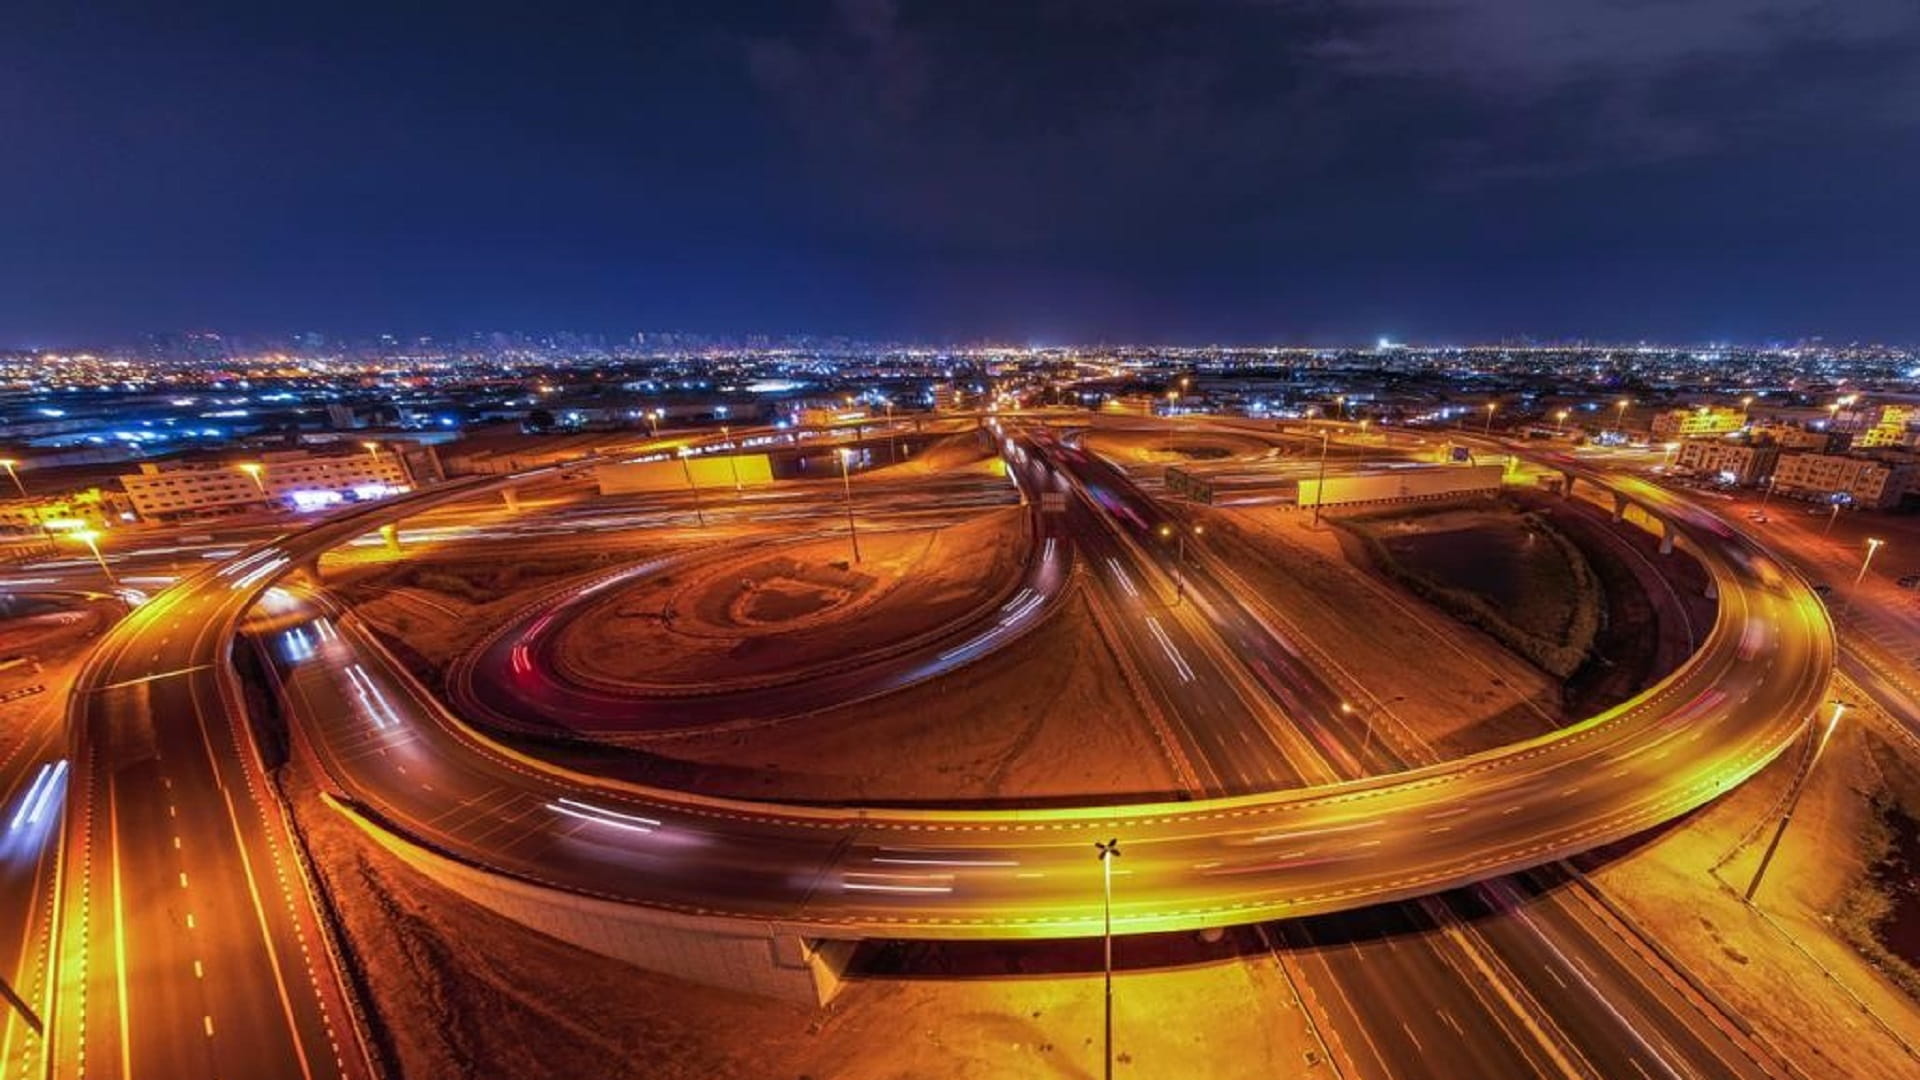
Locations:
{"points": [[1109, 849]]}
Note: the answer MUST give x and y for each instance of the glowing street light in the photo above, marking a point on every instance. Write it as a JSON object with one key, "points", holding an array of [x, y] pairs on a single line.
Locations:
{"points": [[1109, 851], [1799, 787], [1873, 545], [8, 464], [1561, 417], [1620, 416], [1179, 536], [1492, 407], [846, 483], [1746, 403], [91, 538], [372, 448], [252, 469]]}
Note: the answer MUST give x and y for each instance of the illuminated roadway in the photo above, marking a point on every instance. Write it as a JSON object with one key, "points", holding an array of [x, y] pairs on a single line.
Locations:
{"points": [[1015, 873], [164, 824]]}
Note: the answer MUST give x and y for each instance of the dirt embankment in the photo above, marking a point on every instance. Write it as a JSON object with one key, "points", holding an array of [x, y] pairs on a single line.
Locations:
{"points": [[1496, 567]]}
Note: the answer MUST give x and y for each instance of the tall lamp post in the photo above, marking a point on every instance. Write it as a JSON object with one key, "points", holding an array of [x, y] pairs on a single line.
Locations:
{"points": [[1620, 417], [1492, 407], [846, 484], [92, 539], [1180, 556], [726, 436], [1799, 787], [686, 467], [1320, 485], [373, 449], [1831, 518], [1746, 404], [8, 464], [252, 469], [1561, 416], [1109, 851]]}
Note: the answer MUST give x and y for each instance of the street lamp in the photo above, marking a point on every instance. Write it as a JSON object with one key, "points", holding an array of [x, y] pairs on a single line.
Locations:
{"points": [[1620, 417], [8, 464], [1320, 485], [1746, 403], [1873, 545], [1561, 416], [1832, 517], [1799, 787], [252, 469], [372, 448], [91, 538], [1492, 407], [1109, 851], [686, 467], [653, 423], [726, 437], [1180, 556], [846, 483]]}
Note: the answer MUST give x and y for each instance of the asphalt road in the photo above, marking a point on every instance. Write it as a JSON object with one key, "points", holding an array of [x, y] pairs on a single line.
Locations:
{"points": [[821, 872], [833, 872]]}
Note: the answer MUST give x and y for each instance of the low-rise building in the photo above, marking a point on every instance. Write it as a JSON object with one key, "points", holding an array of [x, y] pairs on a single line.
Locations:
{"points": [[1865, 482], [1696, 423], [1892, 426], [95, 507], [1793, 436], [296, 479], [1735, 462]]}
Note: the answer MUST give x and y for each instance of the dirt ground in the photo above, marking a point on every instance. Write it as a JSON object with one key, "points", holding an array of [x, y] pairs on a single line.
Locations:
{"points": [[781, 609], [1457, 689], [1490, 551], [1047, 719], [1781, 964], [1173, 447], [457, 991]]}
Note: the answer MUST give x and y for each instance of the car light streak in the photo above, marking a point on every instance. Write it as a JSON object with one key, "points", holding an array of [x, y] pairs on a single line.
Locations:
{"points": [[39, 793], [600, 815], [373, 702], [1173, 654]]}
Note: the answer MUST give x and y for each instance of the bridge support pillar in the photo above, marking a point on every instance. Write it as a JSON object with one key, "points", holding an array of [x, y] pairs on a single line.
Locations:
{"points": [[511, 498], [1566, 484], [1666, 537], [1713, 591], [390, 534], [1619, 508]]}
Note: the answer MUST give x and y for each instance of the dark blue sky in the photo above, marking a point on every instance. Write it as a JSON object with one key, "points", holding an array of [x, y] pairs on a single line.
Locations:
{"points": [[1040, 170]]}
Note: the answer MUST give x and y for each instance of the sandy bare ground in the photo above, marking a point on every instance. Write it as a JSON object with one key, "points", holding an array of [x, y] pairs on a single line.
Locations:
{"points": [[1050, 718], [780, 609], [1780, 964]]}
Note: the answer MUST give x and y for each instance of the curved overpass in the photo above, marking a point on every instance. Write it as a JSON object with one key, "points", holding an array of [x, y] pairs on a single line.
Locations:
{"points": [[855, 872]]}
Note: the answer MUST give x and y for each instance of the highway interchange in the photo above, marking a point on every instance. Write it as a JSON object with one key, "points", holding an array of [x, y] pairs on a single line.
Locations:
{"points": [[1300, 809]]}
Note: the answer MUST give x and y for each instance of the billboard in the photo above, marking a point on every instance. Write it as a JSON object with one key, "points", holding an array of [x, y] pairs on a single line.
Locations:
{"points": [[669, 473]]}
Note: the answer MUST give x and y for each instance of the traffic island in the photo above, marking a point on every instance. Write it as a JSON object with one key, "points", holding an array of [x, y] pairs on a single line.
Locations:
{"points": [[777, 611]]}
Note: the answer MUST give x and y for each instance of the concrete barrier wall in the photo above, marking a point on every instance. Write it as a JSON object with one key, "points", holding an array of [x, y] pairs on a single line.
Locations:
{"points": [[733, 954]]}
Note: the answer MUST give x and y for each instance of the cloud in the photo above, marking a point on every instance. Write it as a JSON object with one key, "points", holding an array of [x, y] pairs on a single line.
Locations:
{"points": [[1040, 125]]}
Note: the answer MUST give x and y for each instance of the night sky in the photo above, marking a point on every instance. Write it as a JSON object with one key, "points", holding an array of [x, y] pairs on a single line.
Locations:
{"points": [[1017, 170]]}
